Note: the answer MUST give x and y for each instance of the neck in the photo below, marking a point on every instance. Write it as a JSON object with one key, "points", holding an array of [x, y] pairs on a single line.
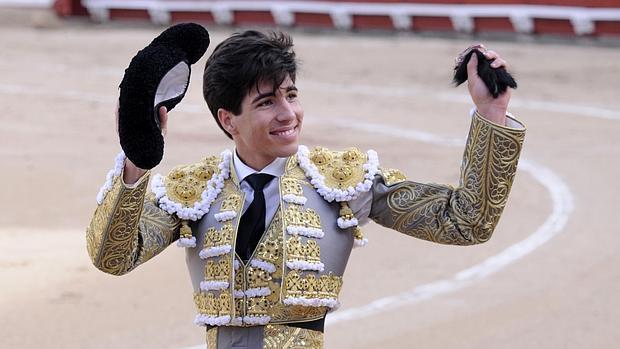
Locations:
{"points": [[255, 162]]}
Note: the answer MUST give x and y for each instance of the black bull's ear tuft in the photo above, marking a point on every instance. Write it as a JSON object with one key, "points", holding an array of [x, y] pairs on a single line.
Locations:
{"points": [[157, 76], [497, 80]]}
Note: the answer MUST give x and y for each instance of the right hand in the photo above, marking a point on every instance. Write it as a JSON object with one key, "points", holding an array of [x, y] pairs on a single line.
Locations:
{"points": [[131, 172]]}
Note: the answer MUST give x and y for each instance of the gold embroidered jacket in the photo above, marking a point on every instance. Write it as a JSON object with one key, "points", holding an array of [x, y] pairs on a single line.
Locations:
{"points": [[295, 273]]}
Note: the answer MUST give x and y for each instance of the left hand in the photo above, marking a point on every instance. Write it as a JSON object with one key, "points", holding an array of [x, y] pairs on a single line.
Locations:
{"points": [[493, 109]]}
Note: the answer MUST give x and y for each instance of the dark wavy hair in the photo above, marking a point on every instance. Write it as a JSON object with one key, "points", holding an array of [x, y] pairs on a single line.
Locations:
{"points": [[242, 62]]}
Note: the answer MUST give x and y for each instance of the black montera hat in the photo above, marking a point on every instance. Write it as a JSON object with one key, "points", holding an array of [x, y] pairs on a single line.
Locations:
{"points": [[157, 76]]}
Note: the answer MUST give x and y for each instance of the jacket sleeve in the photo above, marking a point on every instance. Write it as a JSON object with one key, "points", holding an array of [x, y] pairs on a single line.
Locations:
{"points": [[128, 228], [465, 215]]}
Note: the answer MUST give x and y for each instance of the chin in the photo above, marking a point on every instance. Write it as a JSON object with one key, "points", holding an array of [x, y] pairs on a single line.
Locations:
{"points": [[288, 150]]}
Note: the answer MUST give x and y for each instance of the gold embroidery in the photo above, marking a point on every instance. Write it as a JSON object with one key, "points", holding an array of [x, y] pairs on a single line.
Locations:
{"points": [[281, 313], [185, 184], [258, 278], [231, 202], [285, 337], [465, 215], [214, 237], [340, 169], [326, 286], [124, 219], [217, 270], [296, 216], [293, 284], [212, 338], [296, 250], [258, 306], [208, 304], [291, 186], [392, 176], [312, 251], [224, 304]]}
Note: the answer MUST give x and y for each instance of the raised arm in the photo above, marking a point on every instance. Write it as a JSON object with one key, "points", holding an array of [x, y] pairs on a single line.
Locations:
{"points": [[465, 215]]}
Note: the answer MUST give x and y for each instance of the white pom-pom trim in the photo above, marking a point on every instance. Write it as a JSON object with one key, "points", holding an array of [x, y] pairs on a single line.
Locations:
{"points": [[225, 216], [187, 242], [213, 285], [261, 264], [256, 320], [214, 251], [202, 320], [238, 294], [305, 231], [236, 264], [360, 242], [238, 321], [212, 190], [257, 292], [294, 199], [304, 265], [119, 164], [330, 194], [311, 302], [347, 223]]}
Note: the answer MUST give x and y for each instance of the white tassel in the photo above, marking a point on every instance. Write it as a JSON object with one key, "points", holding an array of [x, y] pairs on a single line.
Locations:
{"points": [[256, 320], [225, 216], [305, 231], [257, 292], [360, 242], [261, 264], [213, 285], [304, 265], [187, 242], [214, 251], [311, 302]]}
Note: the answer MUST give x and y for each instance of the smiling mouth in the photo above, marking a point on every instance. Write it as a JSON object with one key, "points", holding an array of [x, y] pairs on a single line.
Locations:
{"points": [[284, 132]]}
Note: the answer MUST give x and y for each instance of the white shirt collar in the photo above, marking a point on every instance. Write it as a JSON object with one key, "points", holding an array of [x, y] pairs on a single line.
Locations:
{"points": [[275, 168]]}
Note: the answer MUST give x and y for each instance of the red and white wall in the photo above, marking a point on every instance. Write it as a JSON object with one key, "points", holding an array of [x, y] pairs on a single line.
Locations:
{"points": [[560, 17]]}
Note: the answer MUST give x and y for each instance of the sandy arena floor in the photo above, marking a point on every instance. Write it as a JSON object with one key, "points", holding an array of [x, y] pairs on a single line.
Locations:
{"points": [[548, 278]]}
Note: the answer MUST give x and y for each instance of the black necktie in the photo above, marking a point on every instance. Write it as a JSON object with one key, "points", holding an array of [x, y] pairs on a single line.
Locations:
{"points": [[252, 224]]}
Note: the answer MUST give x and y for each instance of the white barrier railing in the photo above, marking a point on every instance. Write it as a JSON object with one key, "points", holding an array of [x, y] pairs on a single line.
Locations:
{"points": [[462, 17]]}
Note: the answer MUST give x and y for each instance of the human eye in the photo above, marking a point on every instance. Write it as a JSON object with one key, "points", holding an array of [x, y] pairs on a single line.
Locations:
{"points": [[292, 95], [264, 103]]}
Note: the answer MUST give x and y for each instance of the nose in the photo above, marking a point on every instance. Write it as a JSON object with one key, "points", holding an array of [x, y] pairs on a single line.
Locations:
{"points": [[286, 111]]}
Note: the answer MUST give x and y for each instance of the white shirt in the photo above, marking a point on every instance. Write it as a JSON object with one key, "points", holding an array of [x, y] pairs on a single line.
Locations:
{"points": [[271, 190]]}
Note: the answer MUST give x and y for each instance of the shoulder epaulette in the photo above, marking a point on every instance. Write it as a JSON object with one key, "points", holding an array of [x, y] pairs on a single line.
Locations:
{"points": [[339, 175], [189, 190]]}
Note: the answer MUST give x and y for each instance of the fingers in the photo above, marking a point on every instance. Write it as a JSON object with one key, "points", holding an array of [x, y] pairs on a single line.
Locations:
{"points": [[497, 60], [472, 67], [163, 120]]}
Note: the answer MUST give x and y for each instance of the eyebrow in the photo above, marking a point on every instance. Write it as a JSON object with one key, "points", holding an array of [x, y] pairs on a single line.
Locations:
{"points": [[271, 94]]}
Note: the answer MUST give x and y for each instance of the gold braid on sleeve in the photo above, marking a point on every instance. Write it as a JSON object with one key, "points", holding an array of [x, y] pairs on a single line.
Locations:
{"points": [[128, 229], [465, 215]]}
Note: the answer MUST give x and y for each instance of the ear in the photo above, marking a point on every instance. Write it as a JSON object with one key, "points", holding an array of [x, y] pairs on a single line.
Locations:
{"points": [[227, 121]]}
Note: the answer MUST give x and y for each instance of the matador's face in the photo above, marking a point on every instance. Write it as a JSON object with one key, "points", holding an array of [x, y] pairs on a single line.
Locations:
{"points": [[269, 124]]}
